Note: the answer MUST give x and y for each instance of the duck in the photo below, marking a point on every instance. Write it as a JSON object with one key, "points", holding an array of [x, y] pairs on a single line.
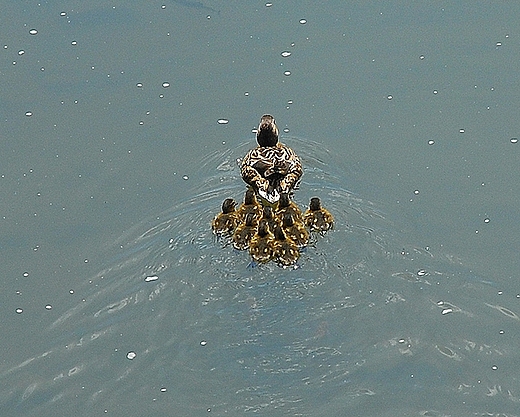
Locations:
{"points": [[285, 251], [268, 215], [261, 245], [295, 231], [244, 232], [316, 218], [271, 168], [226, 221], [250, 205], [285, 205]]}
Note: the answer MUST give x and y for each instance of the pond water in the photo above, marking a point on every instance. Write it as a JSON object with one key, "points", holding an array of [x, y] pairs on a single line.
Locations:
{"points": [[118, 300]]}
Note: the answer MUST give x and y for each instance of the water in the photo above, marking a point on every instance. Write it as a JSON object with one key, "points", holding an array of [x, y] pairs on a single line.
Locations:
{"points": [[117, 299]]}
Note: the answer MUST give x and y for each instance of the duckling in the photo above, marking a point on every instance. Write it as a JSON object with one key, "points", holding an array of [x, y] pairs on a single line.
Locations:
{"points": [[269, 216], [285, 251], [244, 232], [261, 245], [295, 231], [271, 168], [226, 221], [286, 206], [317, 218], [250, 205]]}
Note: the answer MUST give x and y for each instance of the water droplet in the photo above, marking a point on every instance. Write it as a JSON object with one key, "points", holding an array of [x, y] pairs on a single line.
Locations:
{"points": [[514, 140], [165, 85], [33, 32], [287, 73], [285, 54], [303, 21], [222, 121], [131, 355], [28, 113]]}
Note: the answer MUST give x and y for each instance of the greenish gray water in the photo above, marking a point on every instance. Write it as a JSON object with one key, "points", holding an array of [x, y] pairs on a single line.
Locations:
{"points": [[113, 165]]}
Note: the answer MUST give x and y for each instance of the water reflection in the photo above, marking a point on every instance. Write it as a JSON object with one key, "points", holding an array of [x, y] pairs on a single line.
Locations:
{"points": [[366, 323]]}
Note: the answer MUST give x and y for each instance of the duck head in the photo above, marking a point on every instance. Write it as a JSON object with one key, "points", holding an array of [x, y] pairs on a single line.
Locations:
{"points": [[267, 133], [228, 206], [315, 204]]}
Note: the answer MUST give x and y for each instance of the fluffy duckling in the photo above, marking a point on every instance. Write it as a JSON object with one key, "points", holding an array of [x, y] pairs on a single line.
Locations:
{"points": [[261, 245], [250, 205], [244, 232], [271, 168], [226, 221], [269, 216], [317, 218], [296, 231], [286, 206], [285, 251]]}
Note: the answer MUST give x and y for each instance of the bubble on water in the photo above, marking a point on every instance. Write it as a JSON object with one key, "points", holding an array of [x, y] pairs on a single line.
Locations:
{"points": [[19, 311], [285, 54], [303, 21], [514, 140], [63, 14], [461, 130], [222, 121], [389, 97], [203, 343], [74, 43], [21, 52], [163, 6], [286, 130], [33, 32], [151, 278], [416, 192], [28, 113], [431, 142], [139, 85], [447, 311], [486, 220], [287, 73], [421, 56], [131, 355], [165, 84], [268, 4], [185, 177], [48, 307]]}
